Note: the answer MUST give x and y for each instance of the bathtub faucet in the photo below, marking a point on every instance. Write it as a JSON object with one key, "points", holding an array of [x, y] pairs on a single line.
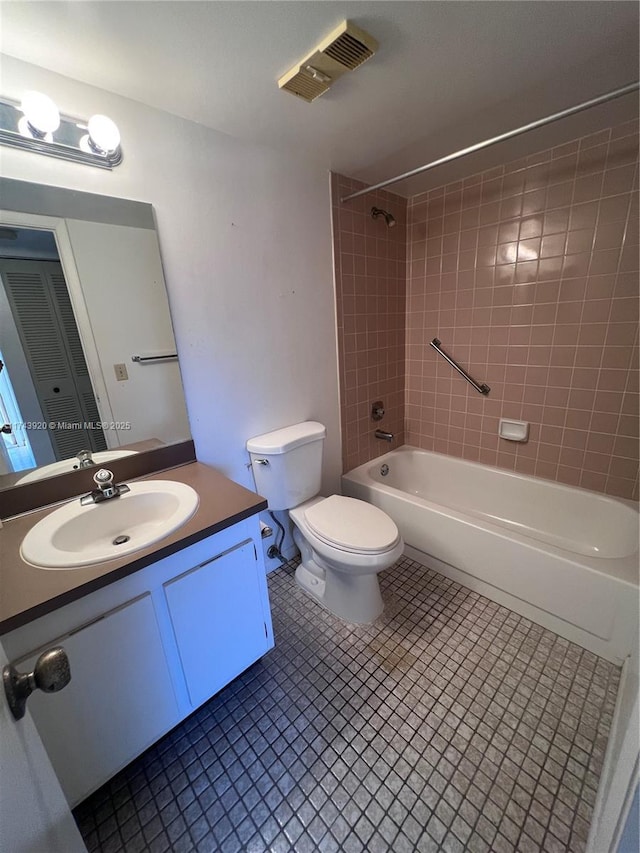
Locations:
{"points": [[384, 435]]}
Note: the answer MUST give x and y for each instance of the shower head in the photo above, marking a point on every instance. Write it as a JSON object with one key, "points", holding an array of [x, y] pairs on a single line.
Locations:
{"points": [[388, 217]]}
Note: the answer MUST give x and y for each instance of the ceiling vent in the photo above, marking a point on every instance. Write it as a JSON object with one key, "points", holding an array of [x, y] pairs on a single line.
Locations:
{"points": [[345, 49]]}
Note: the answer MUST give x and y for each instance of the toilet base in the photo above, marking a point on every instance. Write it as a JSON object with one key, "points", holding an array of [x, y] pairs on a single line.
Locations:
{"points": [[354, 599], [310, 583]]}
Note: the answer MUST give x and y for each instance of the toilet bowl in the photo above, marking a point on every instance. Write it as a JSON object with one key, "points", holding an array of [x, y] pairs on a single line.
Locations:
{"points": [[344, 543]]}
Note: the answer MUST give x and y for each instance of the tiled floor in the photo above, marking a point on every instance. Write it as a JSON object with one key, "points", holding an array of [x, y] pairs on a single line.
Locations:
{"points": [[450, 724]]}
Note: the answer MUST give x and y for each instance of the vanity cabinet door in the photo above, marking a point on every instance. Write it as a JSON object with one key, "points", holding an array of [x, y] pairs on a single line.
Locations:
{"points": [[119, 701], [217, 614]]}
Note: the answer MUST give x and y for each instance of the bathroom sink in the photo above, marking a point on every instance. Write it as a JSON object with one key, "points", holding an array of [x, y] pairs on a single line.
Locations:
{"points": [[75, 535], [67, 465]]}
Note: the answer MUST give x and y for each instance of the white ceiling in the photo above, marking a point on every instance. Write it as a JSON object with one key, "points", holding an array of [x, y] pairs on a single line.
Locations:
{"points": [[28, 243], [447, 74]]}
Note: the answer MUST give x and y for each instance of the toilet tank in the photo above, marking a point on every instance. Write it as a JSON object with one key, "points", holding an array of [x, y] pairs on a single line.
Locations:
{"points": [[287, 463]]}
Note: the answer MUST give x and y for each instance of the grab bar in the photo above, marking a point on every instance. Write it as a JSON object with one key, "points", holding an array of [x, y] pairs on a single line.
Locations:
{"points": [[483, 389]]}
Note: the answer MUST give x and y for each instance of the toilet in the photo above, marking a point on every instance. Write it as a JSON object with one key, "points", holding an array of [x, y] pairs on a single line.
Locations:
{"points": [[344, 543]]}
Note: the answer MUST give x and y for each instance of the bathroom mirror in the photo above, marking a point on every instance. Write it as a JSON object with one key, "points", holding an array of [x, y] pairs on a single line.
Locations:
{"points": [[88, 355]]}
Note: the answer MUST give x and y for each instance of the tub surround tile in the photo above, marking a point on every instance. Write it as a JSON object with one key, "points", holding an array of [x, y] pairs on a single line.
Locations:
{"points": [[450, 724], [532, 265], [370, 274], [559, 259]]}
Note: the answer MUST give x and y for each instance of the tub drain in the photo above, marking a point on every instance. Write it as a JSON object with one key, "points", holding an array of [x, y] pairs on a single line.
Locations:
{"points": [[384, 470], [120, 540]]}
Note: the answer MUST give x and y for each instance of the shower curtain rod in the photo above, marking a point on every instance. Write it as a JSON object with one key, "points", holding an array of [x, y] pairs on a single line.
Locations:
{"points": [[585, 105]]}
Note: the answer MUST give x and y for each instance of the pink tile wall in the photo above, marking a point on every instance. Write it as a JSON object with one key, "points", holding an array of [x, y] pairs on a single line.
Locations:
{"points": [[528, 274], [370, 270]]}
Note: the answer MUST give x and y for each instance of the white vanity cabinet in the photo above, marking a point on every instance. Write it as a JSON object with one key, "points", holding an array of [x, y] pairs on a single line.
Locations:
{"points": [[119, 701], [145, 651], [218, 621]]}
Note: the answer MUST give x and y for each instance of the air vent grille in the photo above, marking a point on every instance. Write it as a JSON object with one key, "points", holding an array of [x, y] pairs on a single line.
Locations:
{"points": [[304, 85], [344, 49], [348, 51]]}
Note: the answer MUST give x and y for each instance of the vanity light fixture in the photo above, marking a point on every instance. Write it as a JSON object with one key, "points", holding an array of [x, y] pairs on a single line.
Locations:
{"points": [[35, 124]]}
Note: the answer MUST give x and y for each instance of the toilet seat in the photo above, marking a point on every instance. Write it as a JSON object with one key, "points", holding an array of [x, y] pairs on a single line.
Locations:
{"points": [[351, 525]]}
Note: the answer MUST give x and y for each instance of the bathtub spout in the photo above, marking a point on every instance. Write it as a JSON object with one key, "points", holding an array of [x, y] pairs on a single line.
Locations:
{"points": [[384, 435]]}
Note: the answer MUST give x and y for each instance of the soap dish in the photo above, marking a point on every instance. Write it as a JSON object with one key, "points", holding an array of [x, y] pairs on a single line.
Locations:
{"points": [[513, 430]]}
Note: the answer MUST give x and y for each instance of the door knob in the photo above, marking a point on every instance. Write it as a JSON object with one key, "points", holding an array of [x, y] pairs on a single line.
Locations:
{"points": [[50, 674]]}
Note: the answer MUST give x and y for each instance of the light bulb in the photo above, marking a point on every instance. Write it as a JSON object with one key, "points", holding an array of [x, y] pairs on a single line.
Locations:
{"points": [[104, 135], [85, 144], [41, 113]]}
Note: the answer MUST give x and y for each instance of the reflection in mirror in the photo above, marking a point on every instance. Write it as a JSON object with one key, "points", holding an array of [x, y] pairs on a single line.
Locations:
{"points": [[88, 363], [45, 374]]}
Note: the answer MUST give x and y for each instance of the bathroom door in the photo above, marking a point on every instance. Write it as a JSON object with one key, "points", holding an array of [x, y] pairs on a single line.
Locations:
{"points": [[34, 815]]}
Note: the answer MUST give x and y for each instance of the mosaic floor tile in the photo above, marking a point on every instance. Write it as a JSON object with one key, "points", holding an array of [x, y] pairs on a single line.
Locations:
{"points": [[450, 724]]}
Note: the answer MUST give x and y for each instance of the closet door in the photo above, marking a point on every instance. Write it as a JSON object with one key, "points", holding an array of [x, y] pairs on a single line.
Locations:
{"points": [[42, 311]]}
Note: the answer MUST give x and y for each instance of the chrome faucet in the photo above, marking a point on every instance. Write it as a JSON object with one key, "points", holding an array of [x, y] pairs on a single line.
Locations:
{"points": [[106, 489], [384, 435], [84, 459]]}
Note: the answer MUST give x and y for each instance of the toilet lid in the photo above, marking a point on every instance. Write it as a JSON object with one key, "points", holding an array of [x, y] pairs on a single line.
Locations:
{"points": [[352, 524]]}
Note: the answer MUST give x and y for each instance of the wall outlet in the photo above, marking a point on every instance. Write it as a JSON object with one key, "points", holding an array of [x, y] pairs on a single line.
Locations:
{"points": [[121, 372]]}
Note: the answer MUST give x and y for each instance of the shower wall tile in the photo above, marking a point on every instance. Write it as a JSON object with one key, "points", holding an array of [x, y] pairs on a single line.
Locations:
{"points": [[370, 274], [528, 274]]}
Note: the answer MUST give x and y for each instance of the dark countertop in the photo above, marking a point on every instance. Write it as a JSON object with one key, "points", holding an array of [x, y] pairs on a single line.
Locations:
{"points": [[26, 592]]}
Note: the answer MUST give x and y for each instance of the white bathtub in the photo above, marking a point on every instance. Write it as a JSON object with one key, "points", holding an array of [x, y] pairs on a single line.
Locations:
{"points": [[565, 558]]}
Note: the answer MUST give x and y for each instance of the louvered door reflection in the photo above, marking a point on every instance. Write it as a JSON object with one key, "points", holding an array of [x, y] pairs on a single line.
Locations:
{"points": [[44, 318]]}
